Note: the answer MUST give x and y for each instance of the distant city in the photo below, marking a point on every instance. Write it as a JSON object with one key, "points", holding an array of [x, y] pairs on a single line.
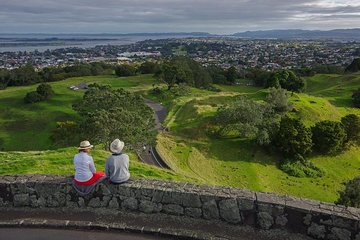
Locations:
{"points": [[267, 50]]}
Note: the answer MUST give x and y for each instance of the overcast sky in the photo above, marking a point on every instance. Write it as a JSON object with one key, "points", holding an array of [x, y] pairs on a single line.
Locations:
{"points": [[214, 16]]}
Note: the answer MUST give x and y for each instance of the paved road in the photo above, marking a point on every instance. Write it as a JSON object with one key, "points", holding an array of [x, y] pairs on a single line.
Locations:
{"points": [[149, 154], [52, 234]]}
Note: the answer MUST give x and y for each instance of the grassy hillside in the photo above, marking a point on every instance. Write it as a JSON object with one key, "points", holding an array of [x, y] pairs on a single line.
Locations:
{"points": [[61, 162], [240, 163], [188, 149], [28, 126]]}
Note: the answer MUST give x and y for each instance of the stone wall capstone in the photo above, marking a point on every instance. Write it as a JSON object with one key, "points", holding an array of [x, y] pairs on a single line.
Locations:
{"points": [[235, 206]]}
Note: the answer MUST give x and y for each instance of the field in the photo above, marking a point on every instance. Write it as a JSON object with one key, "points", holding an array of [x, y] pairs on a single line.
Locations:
{"points": [[187, 148], [26, 127]]}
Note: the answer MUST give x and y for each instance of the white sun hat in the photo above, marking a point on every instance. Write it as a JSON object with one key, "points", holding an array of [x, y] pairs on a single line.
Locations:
{"points": [[116, 146], [85, 145]]}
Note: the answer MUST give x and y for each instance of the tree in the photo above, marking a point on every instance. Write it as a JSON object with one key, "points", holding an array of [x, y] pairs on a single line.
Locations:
{"points": [[32, 97], [328, 137], [351, 124], [293, 138], [125, 70], [278, 99], [4, 78], [356, 98], [148, 68], [354, 66], [45, 91], [231, 75], [217, 74], [286, 79], [107, 114], [25, 75], [350, 196]]}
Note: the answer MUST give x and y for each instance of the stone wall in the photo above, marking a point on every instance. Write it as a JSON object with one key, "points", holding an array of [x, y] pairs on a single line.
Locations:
{"points": [[234, 206]]}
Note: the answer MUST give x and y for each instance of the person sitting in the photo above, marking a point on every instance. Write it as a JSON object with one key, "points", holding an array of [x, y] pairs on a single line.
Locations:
{"points": [[86, 176], [117, 165]]}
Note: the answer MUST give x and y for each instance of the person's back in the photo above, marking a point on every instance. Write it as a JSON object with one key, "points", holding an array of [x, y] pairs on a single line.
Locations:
{"points": [[117, 168], [117, 165], [84, 167]]}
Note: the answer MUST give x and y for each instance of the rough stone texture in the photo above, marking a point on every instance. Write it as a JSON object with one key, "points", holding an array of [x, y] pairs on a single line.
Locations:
{"points": [[193, 212], [173, 209], [114, 203], [21, 200], [281, 220], [317, 231], [229, 210], [149, 207], [339, 234], [130, 204], [231, 205], [265, 220], [210, 210]]}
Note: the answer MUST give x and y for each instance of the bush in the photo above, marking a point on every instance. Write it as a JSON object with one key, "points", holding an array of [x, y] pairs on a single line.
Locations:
{"points": [[32, 97], [354, 66], [301, 168], [125, 70], [45, 91], [328, 137], [181, 90], [351, 124], [293, 139], [356, 98], [350, 196]]}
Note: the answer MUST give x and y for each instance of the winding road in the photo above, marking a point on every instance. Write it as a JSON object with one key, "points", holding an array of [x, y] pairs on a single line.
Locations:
{"points": [[149, 154]]}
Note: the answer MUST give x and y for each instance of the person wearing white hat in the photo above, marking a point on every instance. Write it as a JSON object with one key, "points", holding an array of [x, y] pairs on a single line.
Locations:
{"points": [[117, 165], [85, 171]]}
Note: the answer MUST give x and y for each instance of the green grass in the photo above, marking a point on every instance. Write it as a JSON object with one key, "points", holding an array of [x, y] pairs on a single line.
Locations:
{"points": [[60, 161], [240, 163], [29, 126], [191, 153]]}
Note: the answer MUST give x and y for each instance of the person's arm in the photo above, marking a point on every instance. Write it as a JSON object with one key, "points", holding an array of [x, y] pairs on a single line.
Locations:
{"points": [[92, 165]]}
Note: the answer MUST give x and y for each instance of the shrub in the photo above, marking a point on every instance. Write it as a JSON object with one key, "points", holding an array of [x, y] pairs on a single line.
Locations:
{"points": [[350, 196], [125, 70], [303, 168], [293, 138], [351, 124], [181, 90], [45, 91], [328, 137], [356, 98], [32, 97]]}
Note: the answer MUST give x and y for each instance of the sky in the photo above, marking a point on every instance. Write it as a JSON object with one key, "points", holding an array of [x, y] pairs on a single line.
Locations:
{"points": [[213, 16]]}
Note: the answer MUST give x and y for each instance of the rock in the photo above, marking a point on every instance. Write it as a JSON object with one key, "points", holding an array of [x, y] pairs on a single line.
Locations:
{"points": [[307, 219], [94, 203], [193, 212], [281, 220], [173, 209], [157, 196], [114, 203], [191, 200], [210, 210], [130, 203], [339, 234], [229, 211], [317, 231], [149, 207], [21, 200], [265, 220], [357, 237], [81, 202], [246, 204]]}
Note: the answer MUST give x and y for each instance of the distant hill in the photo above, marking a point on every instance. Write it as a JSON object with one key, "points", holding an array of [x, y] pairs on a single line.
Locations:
{"points": [[341, 34]]}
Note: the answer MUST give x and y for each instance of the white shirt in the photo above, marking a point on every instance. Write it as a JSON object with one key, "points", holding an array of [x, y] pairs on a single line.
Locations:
{"points": [[84, 167]]}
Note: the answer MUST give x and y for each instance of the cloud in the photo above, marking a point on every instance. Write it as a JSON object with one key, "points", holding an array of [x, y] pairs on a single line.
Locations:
{"points": [[175, 15]]}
